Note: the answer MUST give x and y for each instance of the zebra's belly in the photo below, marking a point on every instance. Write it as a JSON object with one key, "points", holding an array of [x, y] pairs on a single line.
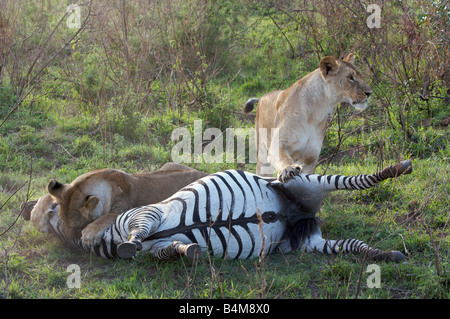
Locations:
{"points": [[237, 242], [232, 214]]}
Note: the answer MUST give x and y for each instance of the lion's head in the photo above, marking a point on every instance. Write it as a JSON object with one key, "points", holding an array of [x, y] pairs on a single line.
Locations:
{"points": [[85, 199], [43, 210], [104, 191], [345, 81]]}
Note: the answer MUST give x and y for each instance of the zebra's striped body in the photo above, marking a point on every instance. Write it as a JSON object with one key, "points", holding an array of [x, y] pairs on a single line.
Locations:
{"points": [[235, 214], [230, 213]]}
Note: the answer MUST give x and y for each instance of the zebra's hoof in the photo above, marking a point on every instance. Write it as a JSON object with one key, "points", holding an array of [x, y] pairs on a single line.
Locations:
{"points": [[27, 208], [404, 168], [396, 256], [128, 249], [193, 251]]}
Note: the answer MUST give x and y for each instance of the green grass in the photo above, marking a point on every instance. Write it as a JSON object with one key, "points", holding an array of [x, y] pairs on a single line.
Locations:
{"points": [[408, 211], [411, 213], [84, 115]]}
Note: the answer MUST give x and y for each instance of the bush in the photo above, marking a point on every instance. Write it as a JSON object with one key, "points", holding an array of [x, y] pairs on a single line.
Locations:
{"points": [[7, 99]]}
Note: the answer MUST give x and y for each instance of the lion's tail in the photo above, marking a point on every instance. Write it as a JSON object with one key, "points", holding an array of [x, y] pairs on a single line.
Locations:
{"points": [[249, 105]]}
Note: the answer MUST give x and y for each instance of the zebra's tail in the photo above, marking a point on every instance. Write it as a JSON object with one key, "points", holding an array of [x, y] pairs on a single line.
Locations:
{"points": [[250, 105]]}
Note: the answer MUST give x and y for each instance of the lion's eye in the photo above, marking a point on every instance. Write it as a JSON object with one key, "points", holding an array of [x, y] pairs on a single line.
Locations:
{"points": [[351, 78]]}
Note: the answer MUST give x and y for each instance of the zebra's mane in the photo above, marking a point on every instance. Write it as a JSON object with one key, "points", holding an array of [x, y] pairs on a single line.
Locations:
{"points": [[300, 224], [301, 230]]}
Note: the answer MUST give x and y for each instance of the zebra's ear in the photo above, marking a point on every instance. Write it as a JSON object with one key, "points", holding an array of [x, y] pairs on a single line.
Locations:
{"points": [[286, 191], [277, 185]]}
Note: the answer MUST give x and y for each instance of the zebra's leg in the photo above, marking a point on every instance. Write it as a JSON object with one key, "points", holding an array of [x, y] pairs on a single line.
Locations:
{"points": [[170, 250], [128, 249], [140, 224], [316, 242]]}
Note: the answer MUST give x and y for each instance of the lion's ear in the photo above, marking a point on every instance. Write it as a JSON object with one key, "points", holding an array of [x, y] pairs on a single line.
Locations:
{"points": [[350, 58], [327, 64], [56, 188], [90, 207]]}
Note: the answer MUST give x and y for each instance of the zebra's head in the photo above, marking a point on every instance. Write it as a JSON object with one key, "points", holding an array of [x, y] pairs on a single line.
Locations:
{"points": [[304, 194]]}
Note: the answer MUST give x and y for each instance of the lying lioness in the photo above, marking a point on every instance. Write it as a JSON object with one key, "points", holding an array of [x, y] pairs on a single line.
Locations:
{"points": [[102, 194], [300, 114]]}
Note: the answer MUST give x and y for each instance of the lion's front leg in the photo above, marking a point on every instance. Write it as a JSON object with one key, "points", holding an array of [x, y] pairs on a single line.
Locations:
{"points": [[287, 167], [289, 172], [92, 234]]}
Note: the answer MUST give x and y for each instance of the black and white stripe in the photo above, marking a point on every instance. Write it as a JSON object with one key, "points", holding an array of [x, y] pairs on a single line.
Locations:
{"points": [[238, 215], [222, 213]]}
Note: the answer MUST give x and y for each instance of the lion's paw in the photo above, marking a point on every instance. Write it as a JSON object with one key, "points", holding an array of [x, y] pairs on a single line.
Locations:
{"points": [[91, 235], [289, 172]]}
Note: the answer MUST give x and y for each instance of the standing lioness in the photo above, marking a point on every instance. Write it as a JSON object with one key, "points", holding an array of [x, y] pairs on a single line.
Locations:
{"points": [[300, 114]]}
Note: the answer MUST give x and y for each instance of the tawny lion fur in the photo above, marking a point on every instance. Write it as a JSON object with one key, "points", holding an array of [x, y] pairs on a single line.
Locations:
{"points": [[92, 201], [300, 114]]}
